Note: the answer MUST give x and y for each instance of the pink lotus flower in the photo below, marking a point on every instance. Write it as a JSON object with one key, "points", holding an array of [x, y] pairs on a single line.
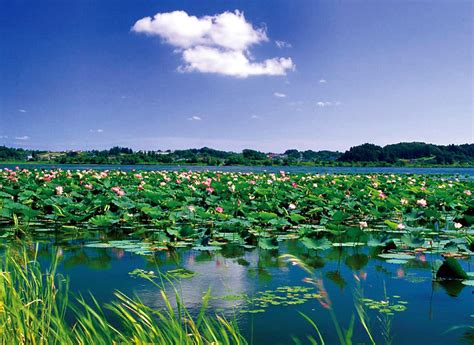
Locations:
{"points": [[292, 206], [219, 209], [467, 192], [294, 184], [210, 190], [400, 226], [363, 225], [191, 208], [59, 190], [118, 191], [382, 195], [421, 202], [458, 225]]}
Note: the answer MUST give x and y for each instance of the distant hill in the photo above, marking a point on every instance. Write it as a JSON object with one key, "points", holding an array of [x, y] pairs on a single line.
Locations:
{"points": [[401, 154], [411, 152]]}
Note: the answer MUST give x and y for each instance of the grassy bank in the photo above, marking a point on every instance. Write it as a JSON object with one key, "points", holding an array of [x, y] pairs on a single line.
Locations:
{"points": [[34, 305]]}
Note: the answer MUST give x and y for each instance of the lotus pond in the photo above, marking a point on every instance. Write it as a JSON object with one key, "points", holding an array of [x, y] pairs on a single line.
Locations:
{"points": [[377, 258]]}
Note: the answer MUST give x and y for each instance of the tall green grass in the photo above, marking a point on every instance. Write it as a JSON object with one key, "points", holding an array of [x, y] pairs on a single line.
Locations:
{"points": [[34, 305]]}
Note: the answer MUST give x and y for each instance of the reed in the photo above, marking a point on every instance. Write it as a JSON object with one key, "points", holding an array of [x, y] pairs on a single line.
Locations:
{"points": [[34, 305]]}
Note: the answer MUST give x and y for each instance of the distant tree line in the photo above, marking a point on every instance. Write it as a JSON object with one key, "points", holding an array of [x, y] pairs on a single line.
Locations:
{"points": [[410, 153], [416, 153]]}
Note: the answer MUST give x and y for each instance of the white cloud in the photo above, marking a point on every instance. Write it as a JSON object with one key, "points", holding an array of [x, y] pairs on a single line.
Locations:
{"points": [[279, 95], [24, 137], [230, 62], [194, 118], [282, 44], [227, 30], [213, 44], [254, 117], [22, 110], [100, 130], [323, 81], [323, 104]]}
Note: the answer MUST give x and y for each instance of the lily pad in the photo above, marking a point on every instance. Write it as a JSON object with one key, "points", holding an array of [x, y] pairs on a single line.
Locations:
{"points": [[396, 261], [398, 256]]}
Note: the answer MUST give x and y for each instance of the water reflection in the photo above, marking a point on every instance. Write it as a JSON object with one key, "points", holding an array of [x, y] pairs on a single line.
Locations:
{"points": [[236, 274]]}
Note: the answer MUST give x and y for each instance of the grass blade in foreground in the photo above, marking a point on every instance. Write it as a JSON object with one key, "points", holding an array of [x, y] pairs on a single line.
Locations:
{"points": [[33, 306]]}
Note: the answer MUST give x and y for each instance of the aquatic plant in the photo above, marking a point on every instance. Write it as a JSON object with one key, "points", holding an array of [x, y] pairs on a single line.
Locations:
{"points": [[385, 307], [34, 307], [205, 210]]}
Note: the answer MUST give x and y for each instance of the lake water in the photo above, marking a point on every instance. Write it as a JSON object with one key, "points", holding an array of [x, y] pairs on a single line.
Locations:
{"points": [[236, 275], [467, 172], [266, 295]]}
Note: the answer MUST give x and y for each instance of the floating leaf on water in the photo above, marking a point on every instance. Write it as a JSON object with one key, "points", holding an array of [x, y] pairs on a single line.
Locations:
{"points": [[247, 246], [207, 248], [398, 256], [98, 245], [348, 244], [396, 261], [181, 273], [268, 243], [254, 311], [320, 244], [138, 272], [469, 282], [398, 307]]}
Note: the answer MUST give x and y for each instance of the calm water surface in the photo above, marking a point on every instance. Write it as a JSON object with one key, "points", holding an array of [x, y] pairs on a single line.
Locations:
{"points": [[236, 274], [259, 169]]}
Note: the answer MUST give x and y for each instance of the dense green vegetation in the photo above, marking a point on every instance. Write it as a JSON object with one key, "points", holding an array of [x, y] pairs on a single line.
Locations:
{"points": [[34, 305], [399, 217], [208, 209], [402, 154], [414, 152]]}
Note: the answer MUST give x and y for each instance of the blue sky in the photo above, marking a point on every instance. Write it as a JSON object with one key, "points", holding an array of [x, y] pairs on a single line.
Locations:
{"points": [[274, 75]]}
